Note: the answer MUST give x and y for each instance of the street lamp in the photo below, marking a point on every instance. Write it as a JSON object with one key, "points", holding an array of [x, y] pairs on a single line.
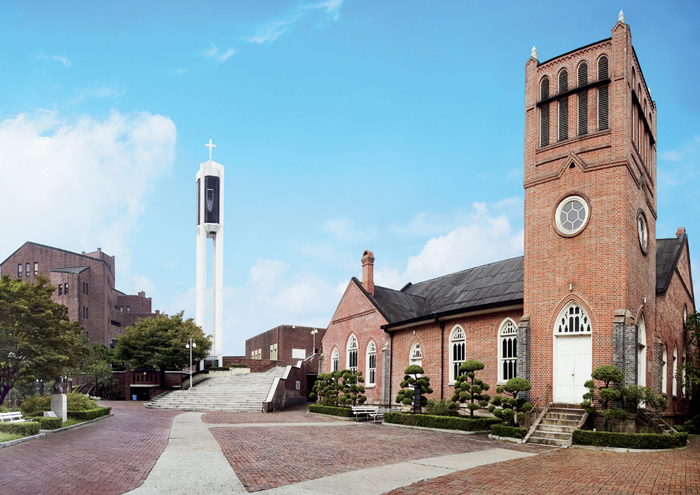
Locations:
{"points": [[314, 332], [190, 345]]}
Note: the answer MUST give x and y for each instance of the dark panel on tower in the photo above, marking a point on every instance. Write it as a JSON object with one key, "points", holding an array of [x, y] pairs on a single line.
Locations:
{"points": [[211, 199], [199, 200]]}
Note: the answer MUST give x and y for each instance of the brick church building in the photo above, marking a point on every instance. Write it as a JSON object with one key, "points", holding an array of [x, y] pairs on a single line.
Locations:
{"points": [[84, 285], [594, 287]]}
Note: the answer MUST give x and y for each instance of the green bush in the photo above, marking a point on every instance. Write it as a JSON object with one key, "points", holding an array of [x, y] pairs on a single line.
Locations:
{"points": [[36, 403], [508, 431], [80, 402], [25, 428], [239, 366], [219, 368], [444, 422], [413, 379], [89, 414], [49, 423], [468, 389], [442, 408], [345, 412], [629, 440], [691, 426]]}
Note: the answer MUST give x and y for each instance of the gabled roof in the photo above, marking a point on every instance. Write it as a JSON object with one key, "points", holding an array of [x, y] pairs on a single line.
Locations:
{"points": [[667, 253]]}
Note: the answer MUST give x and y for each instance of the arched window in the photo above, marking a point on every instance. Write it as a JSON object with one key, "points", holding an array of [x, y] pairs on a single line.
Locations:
{"points": [[457, 351], [544, 112], [371, 364], [352, 354], [602, 94], [664, 370], [583, 99], [641, 352], [574, 320], [683, 362], [416, 356], [674, 370], [563, 106], [507, 350], [335, 360]]}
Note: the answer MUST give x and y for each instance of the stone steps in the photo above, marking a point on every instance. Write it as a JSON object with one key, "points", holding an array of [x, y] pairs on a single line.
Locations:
{"points": [[557, 425]]}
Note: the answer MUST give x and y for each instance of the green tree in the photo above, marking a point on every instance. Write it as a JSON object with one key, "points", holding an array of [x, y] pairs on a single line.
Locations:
{"points": [[469, 389], [98, 365], [160, 343], [605, 394], [511, 408], [413, 377], [352, 388], [692, 365], [36, 338], [325, 390]]}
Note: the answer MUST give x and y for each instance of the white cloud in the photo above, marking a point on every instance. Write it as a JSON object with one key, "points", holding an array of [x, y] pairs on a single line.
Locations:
{"points": [[57, 58], [81, 183], [269, 32], [213, 52], [677, 166], [484, 238]]}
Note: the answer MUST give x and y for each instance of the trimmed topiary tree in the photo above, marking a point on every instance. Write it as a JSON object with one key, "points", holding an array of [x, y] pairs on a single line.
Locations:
{"points": [[413, 379], [511, 409], [606, 394], [325, 390], [468, 389], [350, 385]]}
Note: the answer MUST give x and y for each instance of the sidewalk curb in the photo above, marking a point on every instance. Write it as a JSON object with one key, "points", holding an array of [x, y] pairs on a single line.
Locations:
{"points": [[43, 433]]}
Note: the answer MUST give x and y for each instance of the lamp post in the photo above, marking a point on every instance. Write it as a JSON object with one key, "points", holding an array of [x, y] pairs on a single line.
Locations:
{"points": [[190, 345], [314, 332]]}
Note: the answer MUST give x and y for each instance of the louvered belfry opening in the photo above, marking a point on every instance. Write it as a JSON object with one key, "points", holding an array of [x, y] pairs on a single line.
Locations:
{"points": [[563, 106], [544, 112], [583, 99], [602, 94]]}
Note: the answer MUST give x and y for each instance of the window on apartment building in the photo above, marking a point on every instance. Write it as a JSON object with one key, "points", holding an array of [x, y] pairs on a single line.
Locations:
{"points": [[27, 269], [544, 112], [371, 364], [458, 348], [60, 289], [128, 309], [507, 350], [65, 288], [87, 288], [273, 352], [36, 268], [121, 308], [352, 354], [335, 360], [19, 270]]}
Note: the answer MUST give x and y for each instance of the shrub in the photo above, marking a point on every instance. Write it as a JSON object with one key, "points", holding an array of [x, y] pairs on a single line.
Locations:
{"points": [[605, 394], [25, 428], [79, 402], [691, 426], [442, 408], [507, 408], [344, 412], [325, 390], [629, 440], [508, 431], [469, 389], [36, 403], [49, 423], [414, 379], [447, 423], [89, 414], [351, 388]]}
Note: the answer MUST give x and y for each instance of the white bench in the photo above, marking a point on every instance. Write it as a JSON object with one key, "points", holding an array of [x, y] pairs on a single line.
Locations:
{"points": [[11, 417], [378, 414], [367, 411]]}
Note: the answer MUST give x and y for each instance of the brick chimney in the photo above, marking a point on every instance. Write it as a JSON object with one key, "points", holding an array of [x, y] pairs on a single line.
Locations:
{"points": [[680, 232], [368, 271]]}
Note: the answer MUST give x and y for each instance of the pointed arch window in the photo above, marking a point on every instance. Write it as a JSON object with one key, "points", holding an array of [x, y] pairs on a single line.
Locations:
{"points": [[371, 364], [544, 112], [416, 356], [335, 360], [563, 106], [674, 370], [457, 351], [352, 354], [574, 320], [507, 350], [664, 370], [603, 94], [641, 352], [583, 99]]}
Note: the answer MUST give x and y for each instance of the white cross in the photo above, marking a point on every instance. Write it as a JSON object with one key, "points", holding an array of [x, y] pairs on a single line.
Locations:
{"points": [[210, 146]]}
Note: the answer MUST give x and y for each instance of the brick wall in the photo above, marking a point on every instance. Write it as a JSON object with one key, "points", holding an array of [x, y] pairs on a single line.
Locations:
{"points": [[287, 338]]}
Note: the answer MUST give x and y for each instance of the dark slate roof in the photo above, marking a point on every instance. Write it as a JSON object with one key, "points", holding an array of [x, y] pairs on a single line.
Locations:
{"points": [[71, 269], [667, 253]]}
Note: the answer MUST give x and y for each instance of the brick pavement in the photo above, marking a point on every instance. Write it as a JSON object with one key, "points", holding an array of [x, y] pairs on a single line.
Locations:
{"points": [[576, 471], [110, 456], [275, 456], [293, 415]]}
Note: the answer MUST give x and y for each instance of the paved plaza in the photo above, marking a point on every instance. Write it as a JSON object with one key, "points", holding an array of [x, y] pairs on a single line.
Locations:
{"points": [[143, 452]]}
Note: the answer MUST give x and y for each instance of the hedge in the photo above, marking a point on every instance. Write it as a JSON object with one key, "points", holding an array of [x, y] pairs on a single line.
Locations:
{"points": [[508, 431], [629, 440], [24, 428], [48, 423], [90, 413], [344, 412], [444, 422]]}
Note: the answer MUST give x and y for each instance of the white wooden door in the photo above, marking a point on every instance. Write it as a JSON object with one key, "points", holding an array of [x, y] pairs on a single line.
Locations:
{"points": [[572, 368]]}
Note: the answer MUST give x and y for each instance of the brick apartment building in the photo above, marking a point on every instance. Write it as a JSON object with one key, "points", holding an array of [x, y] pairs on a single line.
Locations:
{"points": [[85, 285], [594, 287], [286, 344]]}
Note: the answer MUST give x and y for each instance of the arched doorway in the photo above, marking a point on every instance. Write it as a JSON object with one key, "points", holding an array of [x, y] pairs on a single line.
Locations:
{"points": [[572, 354]]}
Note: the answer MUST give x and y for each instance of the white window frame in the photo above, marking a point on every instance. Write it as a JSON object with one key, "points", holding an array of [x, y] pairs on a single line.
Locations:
{"points": [[457, 348], [674, 369], [641, 352], [371, 371], [353, 348], [664, 370], [416, 354], [273, 352], [557, 216], [508, 331], [335, 360]]}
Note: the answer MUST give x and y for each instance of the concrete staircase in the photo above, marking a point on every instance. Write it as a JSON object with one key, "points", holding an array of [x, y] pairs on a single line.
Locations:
{"points": [[238, 392], [556, 426]]}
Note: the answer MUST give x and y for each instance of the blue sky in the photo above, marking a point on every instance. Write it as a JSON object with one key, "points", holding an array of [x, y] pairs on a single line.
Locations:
{"points": [[344, 125]]}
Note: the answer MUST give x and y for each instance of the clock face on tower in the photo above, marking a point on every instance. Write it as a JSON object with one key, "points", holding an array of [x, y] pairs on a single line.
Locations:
{"points": [[643, 232], [571, 215]]}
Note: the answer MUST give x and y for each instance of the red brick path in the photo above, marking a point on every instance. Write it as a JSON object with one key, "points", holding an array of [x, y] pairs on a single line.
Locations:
{"points": [[576, 471], [269, 457], [110, 456], [293, 415]]}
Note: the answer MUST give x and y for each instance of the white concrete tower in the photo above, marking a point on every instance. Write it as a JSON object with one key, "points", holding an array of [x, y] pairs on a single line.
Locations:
{"points": [[210, 223]]}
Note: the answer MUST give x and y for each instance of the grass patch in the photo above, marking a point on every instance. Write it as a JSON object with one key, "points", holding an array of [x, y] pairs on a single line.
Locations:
{"points": [[6, 437]]}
